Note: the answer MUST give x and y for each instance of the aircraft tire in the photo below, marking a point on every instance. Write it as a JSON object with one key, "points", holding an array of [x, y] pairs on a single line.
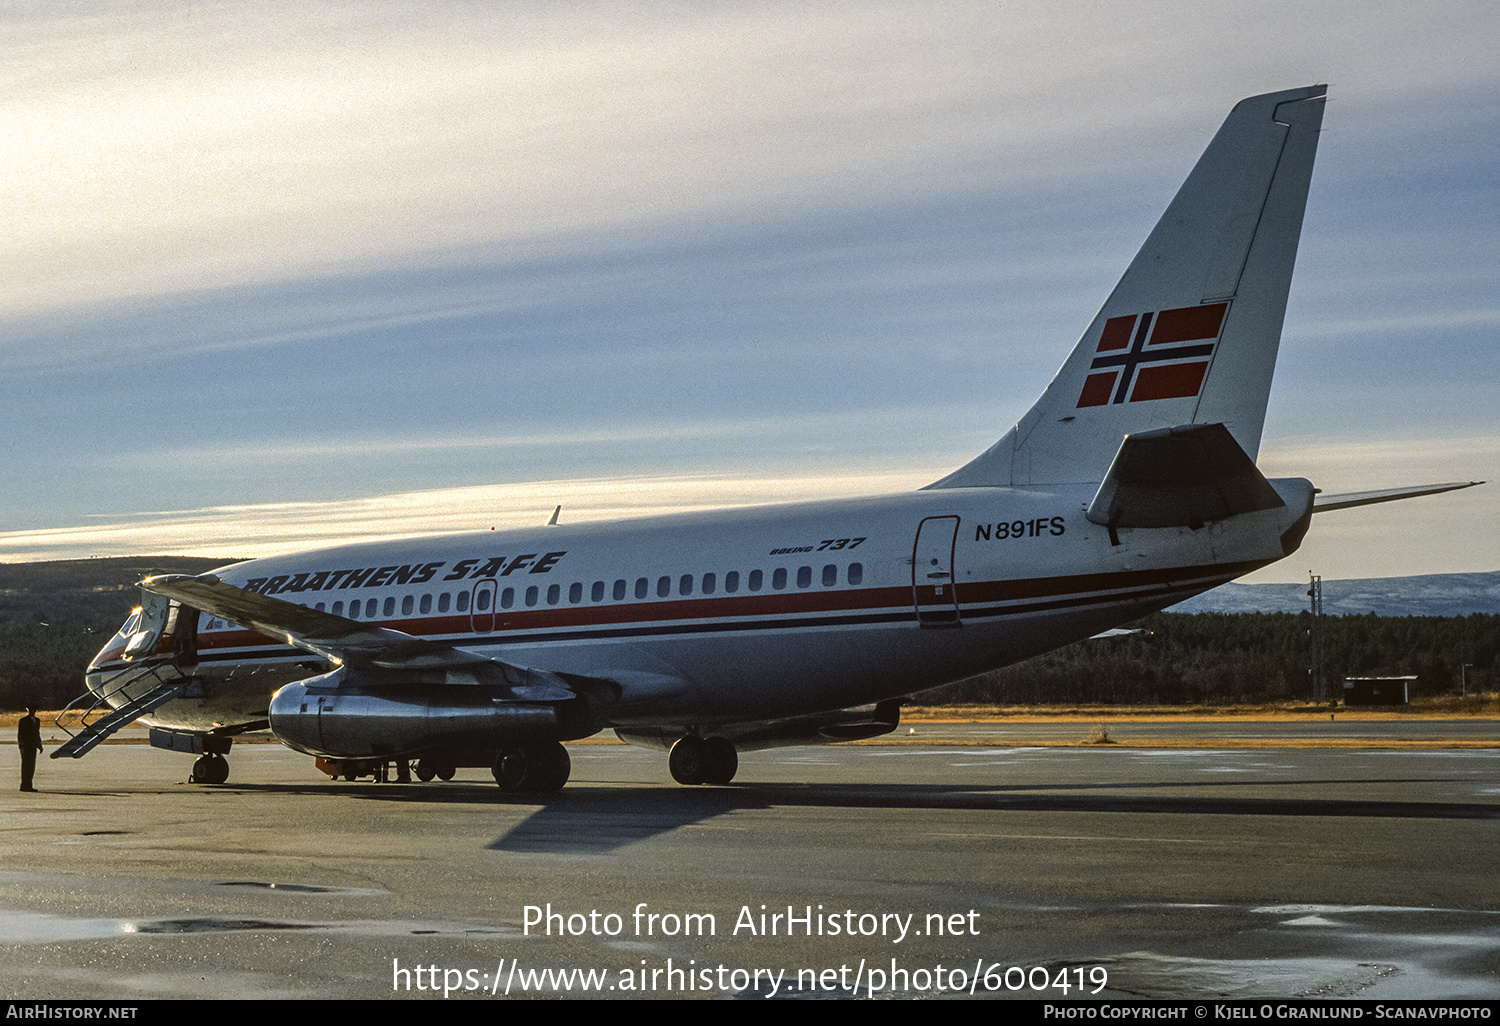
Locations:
{"points": [[211, 769], [510, 769], [535, 768], [688, 760], [549, 768], [721, 761], [425, 772]]}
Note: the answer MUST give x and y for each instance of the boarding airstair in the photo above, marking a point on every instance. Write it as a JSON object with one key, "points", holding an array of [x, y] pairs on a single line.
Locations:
{"points": [[170, 683]]}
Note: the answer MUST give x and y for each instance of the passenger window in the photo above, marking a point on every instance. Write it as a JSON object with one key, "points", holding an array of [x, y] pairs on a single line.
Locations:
{"points": [[830, 575], [708, 584], [641, 586], [685, 585], [443, 602], [482, 600], [554, 593], [755, 580], [804, 577], [408, 602], [597, 594], [318, 607], [461, 604], [619, 591], [338, 608], [507, 598], [856, 573], [778, 578], [575, 592], [732, 581], [426, 606], [663, 587], [531, 595]]}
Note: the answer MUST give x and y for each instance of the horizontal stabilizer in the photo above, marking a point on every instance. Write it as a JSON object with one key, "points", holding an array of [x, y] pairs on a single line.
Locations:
{"points": [[1183, 476], [1324, 503]]}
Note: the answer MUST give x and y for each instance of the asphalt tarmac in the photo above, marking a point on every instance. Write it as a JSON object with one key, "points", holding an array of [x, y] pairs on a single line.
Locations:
{"points": [[953, 862]]}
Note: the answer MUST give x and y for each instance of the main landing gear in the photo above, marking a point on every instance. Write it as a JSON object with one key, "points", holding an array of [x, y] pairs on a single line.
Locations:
{"points": [[427, 770], [703, 760], [535, 768], [211, 768]]}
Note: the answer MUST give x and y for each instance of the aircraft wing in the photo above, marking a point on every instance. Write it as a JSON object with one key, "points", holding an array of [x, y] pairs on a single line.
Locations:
{"points": [[1324, 503], [327, 635], [351, 643]]}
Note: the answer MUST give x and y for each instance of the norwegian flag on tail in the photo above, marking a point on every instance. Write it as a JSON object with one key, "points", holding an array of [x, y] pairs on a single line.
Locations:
{"points": [[1153, 355]]}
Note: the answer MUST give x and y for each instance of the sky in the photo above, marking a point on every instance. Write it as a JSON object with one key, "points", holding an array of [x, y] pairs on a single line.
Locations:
{"points": [[279, 274]]}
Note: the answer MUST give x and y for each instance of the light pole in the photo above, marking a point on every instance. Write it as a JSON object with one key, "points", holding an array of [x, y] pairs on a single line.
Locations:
{"points": [[1314, 637]]}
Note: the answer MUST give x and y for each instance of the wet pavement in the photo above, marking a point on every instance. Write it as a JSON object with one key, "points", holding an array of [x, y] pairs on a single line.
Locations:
{"points": [[899, 870]]}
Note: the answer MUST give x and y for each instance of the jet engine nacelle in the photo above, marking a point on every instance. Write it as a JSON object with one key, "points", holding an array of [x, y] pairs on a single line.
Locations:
{"points": [[349, 715]]}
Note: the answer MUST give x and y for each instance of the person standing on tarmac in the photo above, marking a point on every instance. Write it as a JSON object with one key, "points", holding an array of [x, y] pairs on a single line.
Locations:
{"points": [[29, 740]]}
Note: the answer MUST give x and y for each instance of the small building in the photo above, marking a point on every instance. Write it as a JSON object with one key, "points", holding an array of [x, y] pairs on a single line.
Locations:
{"points": [[1377, 690]]}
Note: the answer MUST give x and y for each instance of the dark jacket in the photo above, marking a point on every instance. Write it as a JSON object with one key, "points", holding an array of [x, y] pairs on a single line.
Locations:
{"points": [[29, 734]]}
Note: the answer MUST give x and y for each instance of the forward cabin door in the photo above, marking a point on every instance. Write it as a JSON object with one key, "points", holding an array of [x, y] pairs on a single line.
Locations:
{"points": [[932, 583], [167, 629]]}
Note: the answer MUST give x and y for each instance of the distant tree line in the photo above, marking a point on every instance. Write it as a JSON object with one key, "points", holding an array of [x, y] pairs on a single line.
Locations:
{"points": [[55, 616], [1224, 658]]}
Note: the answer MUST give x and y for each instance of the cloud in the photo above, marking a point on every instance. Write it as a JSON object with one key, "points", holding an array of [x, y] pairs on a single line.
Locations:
{"points": [[156, 147], [1448, 533], [269, 528], [277, 251]]}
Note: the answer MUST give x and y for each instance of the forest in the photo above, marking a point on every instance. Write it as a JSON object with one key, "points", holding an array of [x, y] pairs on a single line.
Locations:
{"points": [[55, 616], [1239, 658]]}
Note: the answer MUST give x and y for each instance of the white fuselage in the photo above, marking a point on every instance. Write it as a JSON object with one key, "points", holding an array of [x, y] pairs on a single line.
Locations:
{"points": [[707, 633], [748, 614]]}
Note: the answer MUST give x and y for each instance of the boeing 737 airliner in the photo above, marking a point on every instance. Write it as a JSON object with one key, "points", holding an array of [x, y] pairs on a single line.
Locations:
{"points": [[1129, 486]]}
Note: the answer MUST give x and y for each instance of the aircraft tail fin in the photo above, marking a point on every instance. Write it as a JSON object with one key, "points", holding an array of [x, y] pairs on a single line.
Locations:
{"points": [[1190, 333]]}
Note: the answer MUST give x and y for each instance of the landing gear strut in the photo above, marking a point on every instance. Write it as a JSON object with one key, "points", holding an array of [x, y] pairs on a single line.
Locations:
{"points": [[697, 760], [535, 768], [211, 769]]}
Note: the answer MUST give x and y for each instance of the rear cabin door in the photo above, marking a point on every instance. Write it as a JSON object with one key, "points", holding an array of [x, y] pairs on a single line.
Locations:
{"points": [[932, 584]]}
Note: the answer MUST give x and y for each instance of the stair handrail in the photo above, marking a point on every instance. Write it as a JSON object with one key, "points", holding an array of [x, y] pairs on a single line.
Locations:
{"points": [[108, 688]]}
